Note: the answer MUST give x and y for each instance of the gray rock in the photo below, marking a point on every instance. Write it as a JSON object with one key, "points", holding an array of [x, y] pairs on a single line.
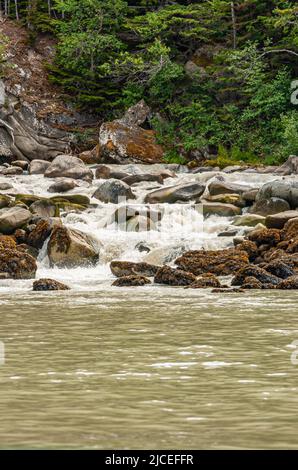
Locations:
{"points": [[222, 187], [38, 167], [13, 218], [273, 205], [5, 186], [68, 166], [11, 171], [280, 189], [172, 194], [111, 190], [44, 208], [290, 167]]}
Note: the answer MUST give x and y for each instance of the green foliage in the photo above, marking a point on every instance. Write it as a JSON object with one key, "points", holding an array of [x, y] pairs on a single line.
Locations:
{"points": [[231, 100]]}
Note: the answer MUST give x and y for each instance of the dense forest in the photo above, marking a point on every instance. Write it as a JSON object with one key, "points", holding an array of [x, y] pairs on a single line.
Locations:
{"points": [[216, 73]]}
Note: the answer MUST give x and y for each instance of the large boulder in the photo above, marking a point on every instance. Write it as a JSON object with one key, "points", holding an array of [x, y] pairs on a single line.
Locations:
{"points": [[70, 248], [41, 231], [222, 187], [104, 172], [291, 283], [290, 230], [17, 264], [44, 208], [172, 194], [38, 167], [221, 262], [279, 220], [290, 167], [124, 141], [68, 166], [270, 206], [13, 218], [112, 191], [280, 189]]}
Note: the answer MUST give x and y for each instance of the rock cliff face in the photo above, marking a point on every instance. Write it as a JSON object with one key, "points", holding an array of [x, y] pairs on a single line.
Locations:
{"points": [[23, 135], [35, 123]]}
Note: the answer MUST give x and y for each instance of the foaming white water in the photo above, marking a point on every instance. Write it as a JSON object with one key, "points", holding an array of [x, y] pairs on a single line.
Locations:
{"points": [[181, 228]]}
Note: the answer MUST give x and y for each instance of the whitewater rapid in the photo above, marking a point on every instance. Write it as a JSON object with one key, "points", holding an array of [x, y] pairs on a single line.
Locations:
{"points": [[178, 231]]}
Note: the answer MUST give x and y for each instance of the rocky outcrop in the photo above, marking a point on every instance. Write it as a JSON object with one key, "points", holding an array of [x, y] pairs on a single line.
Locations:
{"points": [[67, 166], [124, 141], [48, 285], [70, 248], [13, 218], [23, 135], [112, 191], [221, 262], [130, 281], [174, 277], [172, 194]]}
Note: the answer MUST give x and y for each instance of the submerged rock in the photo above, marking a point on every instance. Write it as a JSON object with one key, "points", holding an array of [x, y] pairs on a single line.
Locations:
{"points": [[127, 268], [173, 277], [70, 248], [13, 218], [68, 166], [221, 262], [132, 280], [172, 194], [48, 284]]}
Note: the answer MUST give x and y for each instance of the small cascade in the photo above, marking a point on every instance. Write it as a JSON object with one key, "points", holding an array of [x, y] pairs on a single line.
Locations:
{"points": [[181, 227]]}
